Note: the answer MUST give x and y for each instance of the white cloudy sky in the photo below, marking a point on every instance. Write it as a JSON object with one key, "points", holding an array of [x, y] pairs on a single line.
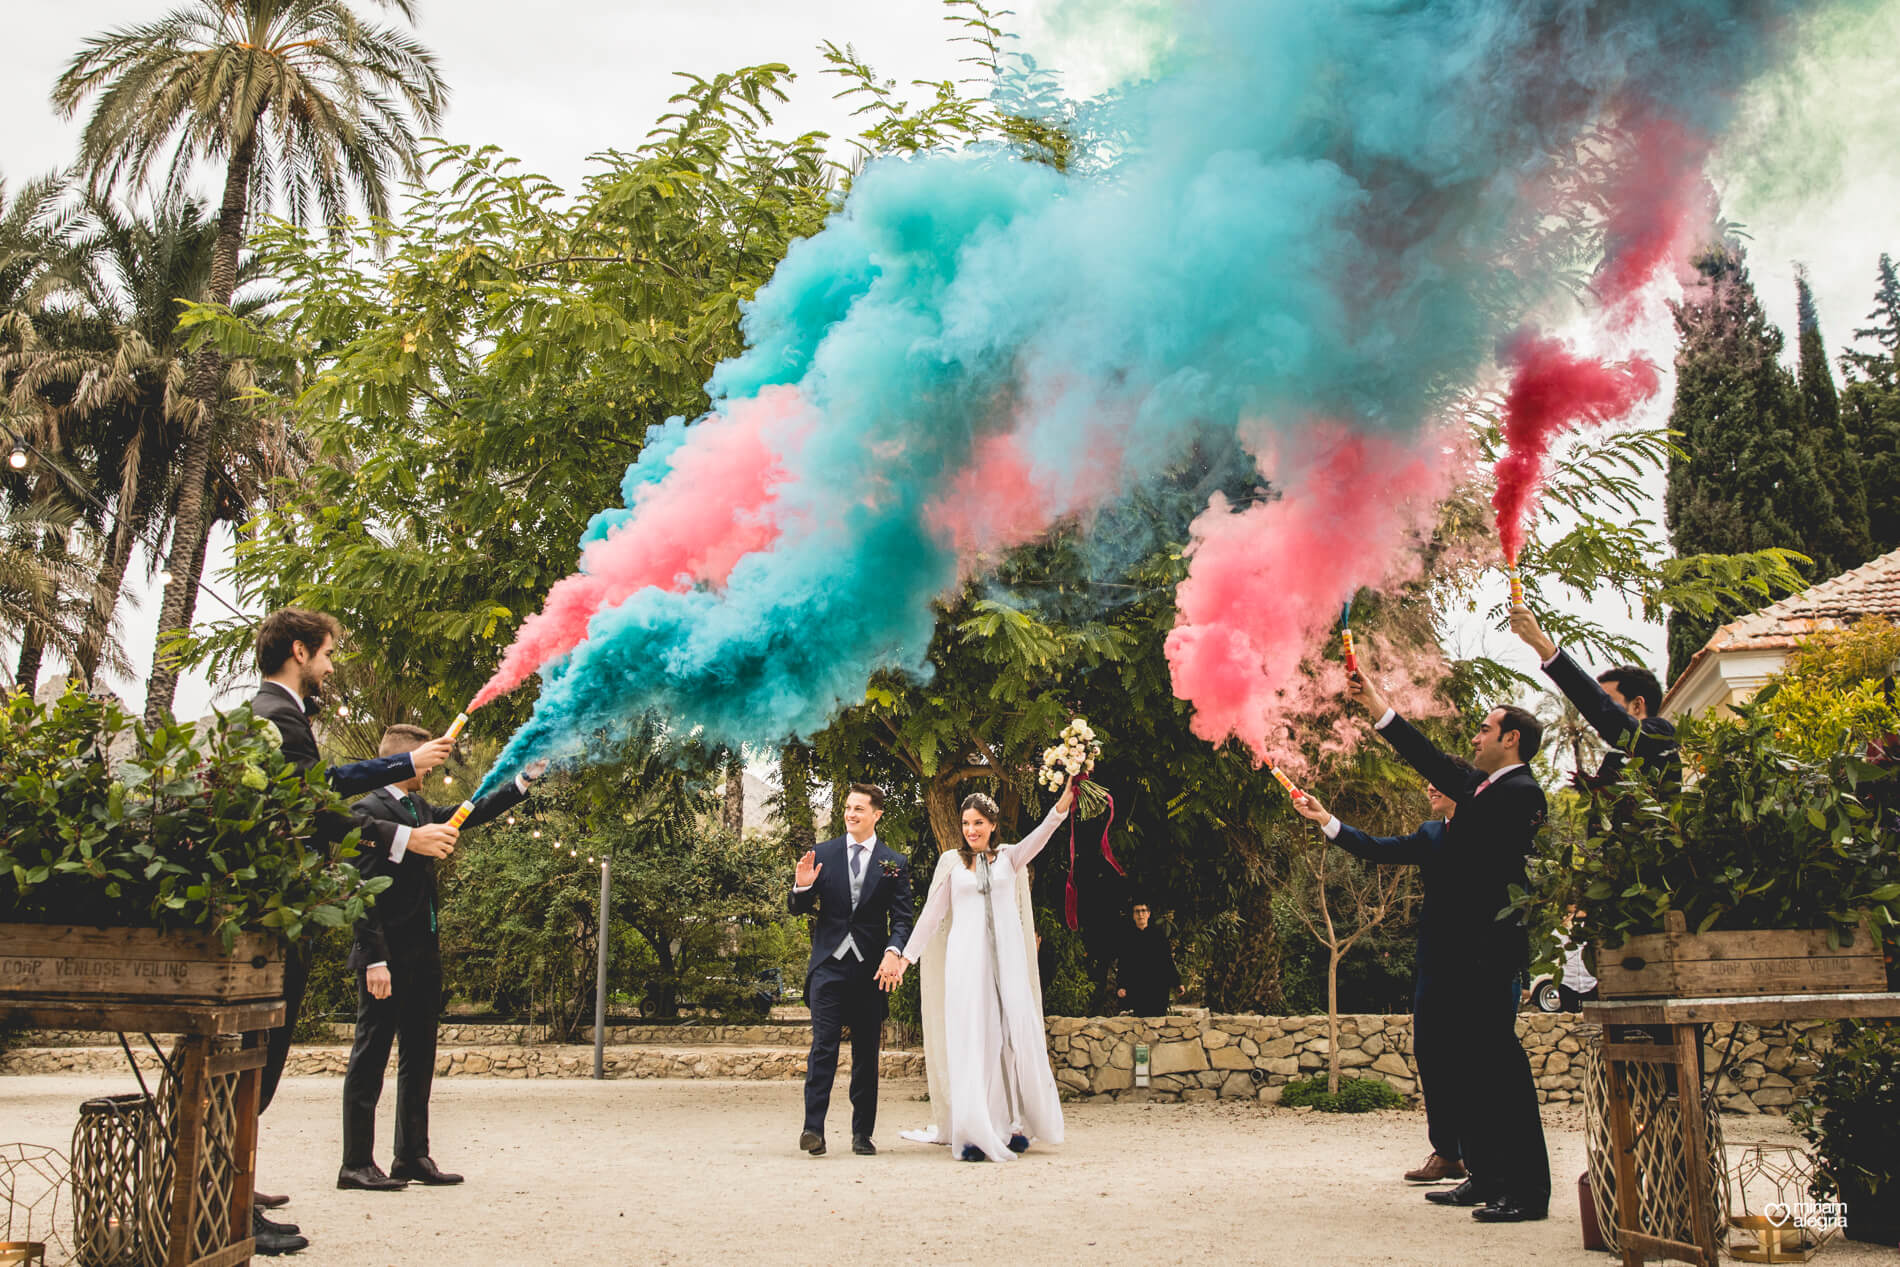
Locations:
{"points": [[562, 79]]}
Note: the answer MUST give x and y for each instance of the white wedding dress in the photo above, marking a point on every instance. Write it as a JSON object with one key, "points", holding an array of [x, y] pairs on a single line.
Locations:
{"points": [[986, 1054]]}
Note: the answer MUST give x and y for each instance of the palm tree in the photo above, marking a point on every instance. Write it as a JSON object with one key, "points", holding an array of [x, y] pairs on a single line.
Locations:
{"points": [[38, 578], [305, 103]]}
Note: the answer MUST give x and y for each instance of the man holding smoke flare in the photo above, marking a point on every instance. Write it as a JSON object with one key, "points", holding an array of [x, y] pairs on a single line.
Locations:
{"points": [[1500, 809]]}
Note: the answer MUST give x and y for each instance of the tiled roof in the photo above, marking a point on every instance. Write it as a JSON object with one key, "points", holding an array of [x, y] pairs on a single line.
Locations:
{"points": [[1873, 589]]}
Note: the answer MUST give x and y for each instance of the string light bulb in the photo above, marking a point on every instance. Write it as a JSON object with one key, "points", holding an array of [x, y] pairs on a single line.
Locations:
{"points": [[17, 458]]}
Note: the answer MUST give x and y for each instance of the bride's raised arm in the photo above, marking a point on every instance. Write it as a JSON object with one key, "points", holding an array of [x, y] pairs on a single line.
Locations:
{"points": [[935, 908], [1024, 851]]}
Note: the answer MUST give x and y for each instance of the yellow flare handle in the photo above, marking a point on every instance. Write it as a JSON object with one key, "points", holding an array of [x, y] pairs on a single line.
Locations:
{"points": [[1517, 588], [455, 727], [461, 814], [1285, 782]]}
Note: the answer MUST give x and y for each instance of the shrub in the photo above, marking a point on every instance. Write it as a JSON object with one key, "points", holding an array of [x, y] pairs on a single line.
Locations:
{"points": [[1760, 836], [1355, 1095], [1850, 1115], [106, 822]]}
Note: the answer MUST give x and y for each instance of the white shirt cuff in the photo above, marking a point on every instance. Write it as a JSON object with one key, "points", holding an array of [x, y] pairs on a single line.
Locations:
{"points": [[522, 784], [380, 963], [1545, 664], [1331, 827], [801, 888], [1385, 719], [412, 763], [401, 844], [894, 950]]}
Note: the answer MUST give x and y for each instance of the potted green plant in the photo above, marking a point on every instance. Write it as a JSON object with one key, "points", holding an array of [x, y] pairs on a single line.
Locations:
{"points": [[185, 843], [1850, 1115], [1762, 835]]}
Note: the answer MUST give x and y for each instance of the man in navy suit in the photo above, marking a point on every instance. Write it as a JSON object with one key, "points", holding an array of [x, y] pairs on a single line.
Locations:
{"points": [[1500, 811], [1440, 980], [858, 888]]}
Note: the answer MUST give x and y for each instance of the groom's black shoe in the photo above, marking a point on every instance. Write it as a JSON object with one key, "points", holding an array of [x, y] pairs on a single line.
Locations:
{"points": [[1510, 1210], [812, 1142], [862, 1146], [1019, 1143], [1466, 1193]]}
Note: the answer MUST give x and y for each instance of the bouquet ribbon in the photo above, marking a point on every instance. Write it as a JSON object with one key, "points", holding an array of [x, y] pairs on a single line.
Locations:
{"points": [[1069, 892]]}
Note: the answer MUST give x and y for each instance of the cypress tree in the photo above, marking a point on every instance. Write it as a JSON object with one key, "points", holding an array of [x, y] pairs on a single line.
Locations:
{"points": [[1745, 480], [1870, 409], [1840, 541]]}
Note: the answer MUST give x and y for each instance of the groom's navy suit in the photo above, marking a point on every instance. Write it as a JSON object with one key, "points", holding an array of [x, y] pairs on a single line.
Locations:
{"points": [[842, 989]]}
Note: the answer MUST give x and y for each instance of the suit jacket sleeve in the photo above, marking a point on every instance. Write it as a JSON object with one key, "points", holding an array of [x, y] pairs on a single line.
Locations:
{"points": [[1605, 715], [359, 777], [372, 946], [489, 808], [903, 908], [1437, 768], [1417, 847]]}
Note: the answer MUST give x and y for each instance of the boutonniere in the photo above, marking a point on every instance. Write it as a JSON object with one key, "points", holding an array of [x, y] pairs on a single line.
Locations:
{"points": [[891, 867]]}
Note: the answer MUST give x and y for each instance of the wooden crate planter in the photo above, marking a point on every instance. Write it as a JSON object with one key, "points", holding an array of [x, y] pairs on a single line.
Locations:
{"points": [[102, 965], [1676, 963]]}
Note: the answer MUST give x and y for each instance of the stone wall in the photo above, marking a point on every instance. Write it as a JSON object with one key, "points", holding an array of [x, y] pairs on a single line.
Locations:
{"points": [[1195, 1055]]}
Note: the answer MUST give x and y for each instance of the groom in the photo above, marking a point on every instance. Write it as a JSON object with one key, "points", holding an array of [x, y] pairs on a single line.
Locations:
{"points": [[859, 889]]}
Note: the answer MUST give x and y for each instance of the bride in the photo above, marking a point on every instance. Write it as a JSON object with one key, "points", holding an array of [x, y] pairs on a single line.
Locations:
{"points": [[985, 1052]]}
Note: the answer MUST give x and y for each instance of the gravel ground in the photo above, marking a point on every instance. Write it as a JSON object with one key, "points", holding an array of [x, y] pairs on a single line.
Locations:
{"points": [[707, 1172]]}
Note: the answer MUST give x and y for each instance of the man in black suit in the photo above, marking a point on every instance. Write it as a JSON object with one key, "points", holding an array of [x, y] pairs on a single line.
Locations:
{"points": [[398, 967], [1500, 811], [293, 655], [859, 890], [1441, 981], [1621, 705]]}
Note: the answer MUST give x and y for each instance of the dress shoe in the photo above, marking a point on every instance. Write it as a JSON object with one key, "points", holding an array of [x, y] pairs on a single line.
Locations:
{"points": [[1511, 1210], [972, 1153], [272, 1243], [812, 1142], [424, 1171], [369, 1178], [274, 1225], [265, 1201], [862, 1146], [1466, 1193], [1436, 1169], [1019, 1143]]}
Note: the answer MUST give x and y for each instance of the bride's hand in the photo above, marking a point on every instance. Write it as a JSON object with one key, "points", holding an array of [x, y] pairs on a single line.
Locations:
{"points": [[1066, 801]]}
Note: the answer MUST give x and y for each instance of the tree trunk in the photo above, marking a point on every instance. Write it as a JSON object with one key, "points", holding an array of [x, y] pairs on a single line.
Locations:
{"points": [[732, 811], [191, 527], [105, 596], [32, 651], [1332, 1020], [940, 801], [794, 775]]}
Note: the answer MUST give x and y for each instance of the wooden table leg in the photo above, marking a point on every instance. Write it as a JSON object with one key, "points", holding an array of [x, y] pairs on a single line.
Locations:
{"points": [[1628, 1201], [1695, 1151], [244, 1157], [188, 1126]]}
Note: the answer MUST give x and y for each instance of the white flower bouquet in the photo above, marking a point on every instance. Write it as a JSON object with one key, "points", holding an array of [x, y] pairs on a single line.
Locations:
{"points": [[1073, 756]]}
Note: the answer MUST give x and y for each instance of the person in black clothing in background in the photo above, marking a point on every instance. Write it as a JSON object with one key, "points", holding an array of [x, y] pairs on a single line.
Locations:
{"points": [[1145, 975], [398, 967], [1443, 981], [293, 655], [1486, 844], [1622, 705]]}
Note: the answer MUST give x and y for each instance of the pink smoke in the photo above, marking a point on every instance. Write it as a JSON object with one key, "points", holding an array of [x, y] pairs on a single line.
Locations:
{"points": [[690, 528], [1553, 390], [1004, 498], [1265, 582], [1659, 207]]}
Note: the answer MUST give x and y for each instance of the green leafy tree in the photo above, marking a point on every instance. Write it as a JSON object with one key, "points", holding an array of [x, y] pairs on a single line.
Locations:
{"points": [[1745, 478], [1870, 409], [304, 103], [475, 394], [1842, 540]]}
